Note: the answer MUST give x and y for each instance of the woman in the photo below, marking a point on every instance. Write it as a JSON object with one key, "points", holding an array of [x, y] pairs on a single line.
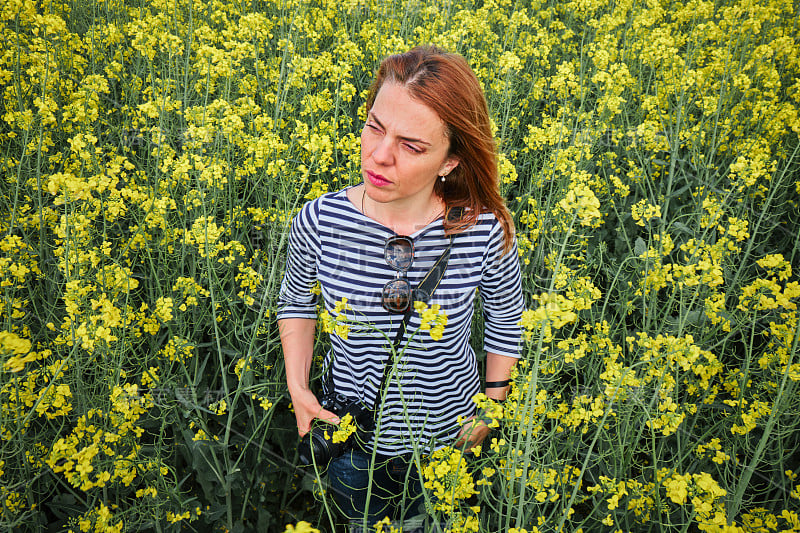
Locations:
{"points": [[426, 148]]}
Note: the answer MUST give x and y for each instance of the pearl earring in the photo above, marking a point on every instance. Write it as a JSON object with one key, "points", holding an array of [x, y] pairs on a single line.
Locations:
{"points": [[442, 177]]}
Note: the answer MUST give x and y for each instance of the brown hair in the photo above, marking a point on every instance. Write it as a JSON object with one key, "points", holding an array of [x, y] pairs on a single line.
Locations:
{"points": [[445, 83]]}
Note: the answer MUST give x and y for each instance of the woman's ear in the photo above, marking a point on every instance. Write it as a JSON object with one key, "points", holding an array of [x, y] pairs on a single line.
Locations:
{"points": [[450, 163]]}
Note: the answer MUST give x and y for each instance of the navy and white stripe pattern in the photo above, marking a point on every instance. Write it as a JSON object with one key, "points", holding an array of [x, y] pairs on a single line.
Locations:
{"points": [[434, 381]]}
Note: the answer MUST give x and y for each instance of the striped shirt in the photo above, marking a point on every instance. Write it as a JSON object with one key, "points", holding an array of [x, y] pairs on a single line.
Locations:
{"points": [[433, 383]]}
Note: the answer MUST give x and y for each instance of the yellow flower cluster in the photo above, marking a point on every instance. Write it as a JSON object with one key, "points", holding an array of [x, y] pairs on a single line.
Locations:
{"points": [[714, 449], [702, 491], [346, 427], [189, 290], [101, 520], [16, 351], [524, 410], [548, 484], [336, 323], [772, 293], [177, 349], [446, 474], [582, 203], [300, 527], [92, 454], [489, 411], [554, 311], [528, 229], [432, 319], [642, 212]]}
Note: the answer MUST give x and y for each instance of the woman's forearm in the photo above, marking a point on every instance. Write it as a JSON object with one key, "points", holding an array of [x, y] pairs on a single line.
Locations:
{"points": [[498, 368], [297, 339]]}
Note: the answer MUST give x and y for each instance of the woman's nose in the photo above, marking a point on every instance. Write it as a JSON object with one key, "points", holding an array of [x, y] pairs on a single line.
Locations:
{"points": [[382, 154]]}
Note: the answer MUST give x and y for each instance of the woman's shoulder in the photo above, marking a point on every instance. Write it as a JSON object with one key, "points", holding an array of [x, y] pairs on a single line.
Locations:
{"points": [[484, 237], [486, 224], [324, 205]]}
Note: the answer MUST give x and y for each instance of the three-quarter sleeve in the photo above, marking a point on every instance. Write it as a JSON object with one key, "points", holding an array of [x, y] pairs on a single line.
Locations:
{"points": [[501, 294], [296, 299]]}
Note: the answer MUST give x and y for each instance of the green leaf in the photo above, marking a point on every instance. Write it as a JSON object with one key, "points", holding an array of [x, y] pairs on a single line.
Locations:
{"points": [[640, 247]]}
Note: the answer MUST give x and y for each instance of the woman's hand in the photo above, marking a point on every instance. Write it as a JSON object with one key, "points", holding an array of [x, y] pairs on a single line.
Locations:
{"points": [[297, 339], [475, 429], [472, 433], [307, 408]]}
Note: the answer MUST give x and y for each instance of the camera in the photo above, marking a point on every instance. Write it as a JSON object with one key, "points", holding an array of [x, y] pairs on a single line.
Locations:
{"points": [[317, 446]]}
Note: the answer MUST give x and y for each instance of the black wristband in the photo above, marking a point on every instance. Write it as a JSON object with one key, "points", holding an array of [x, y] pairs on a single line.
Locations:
{"points": [[497, 384]]}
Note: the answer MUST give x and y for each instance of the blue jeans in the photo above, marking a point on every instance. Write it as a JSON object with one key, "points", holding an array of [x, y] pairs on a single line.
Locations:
{"points": [[394, 489]]}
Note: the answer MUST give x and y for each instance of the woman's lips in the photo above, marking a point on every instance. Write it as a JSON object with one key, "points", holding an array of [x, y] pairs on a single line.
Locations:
{"points": [[376, 179]]}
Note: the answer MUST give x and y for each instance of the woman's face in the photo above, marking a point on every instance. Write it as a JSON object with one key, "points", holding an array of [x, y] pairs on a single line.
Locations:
{"points": [[404, 149]]}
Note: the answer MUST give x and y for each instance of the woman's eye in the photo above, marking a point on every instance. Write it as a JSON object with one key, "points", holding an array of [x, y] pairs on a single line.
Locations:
{"points": [[413, 148]]}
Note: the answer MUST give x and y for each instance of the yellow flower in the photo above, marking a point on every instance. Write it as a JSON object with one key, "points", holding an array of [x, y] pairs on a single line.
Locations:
{"points": [[642, 212], [220, 407], [175, 518], [776, 263], [678, 487], [338, 324], [149, 491], [18, 348], [163, 310], [300, 527], [317, 189], [265, 403], [346, 427], [431, 319], [447, 474], [581, 202], [496, 444], [490, 411]]}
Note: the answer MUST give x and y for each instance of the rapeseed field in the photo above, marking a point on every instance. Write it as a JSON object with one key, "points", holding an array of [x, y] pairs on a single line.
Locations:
{"points": [[153, 153]]}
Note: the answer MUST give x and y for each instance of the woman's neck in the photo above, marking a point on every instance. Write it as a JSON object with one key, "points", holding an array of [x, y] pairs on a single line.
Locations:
{"points": [[404, 219]]}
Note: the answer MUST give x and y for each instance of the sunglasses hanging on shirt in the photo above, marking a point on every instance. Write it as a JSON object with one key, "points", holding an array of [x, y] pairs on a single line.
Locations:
{"points": [[399, 254]]}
